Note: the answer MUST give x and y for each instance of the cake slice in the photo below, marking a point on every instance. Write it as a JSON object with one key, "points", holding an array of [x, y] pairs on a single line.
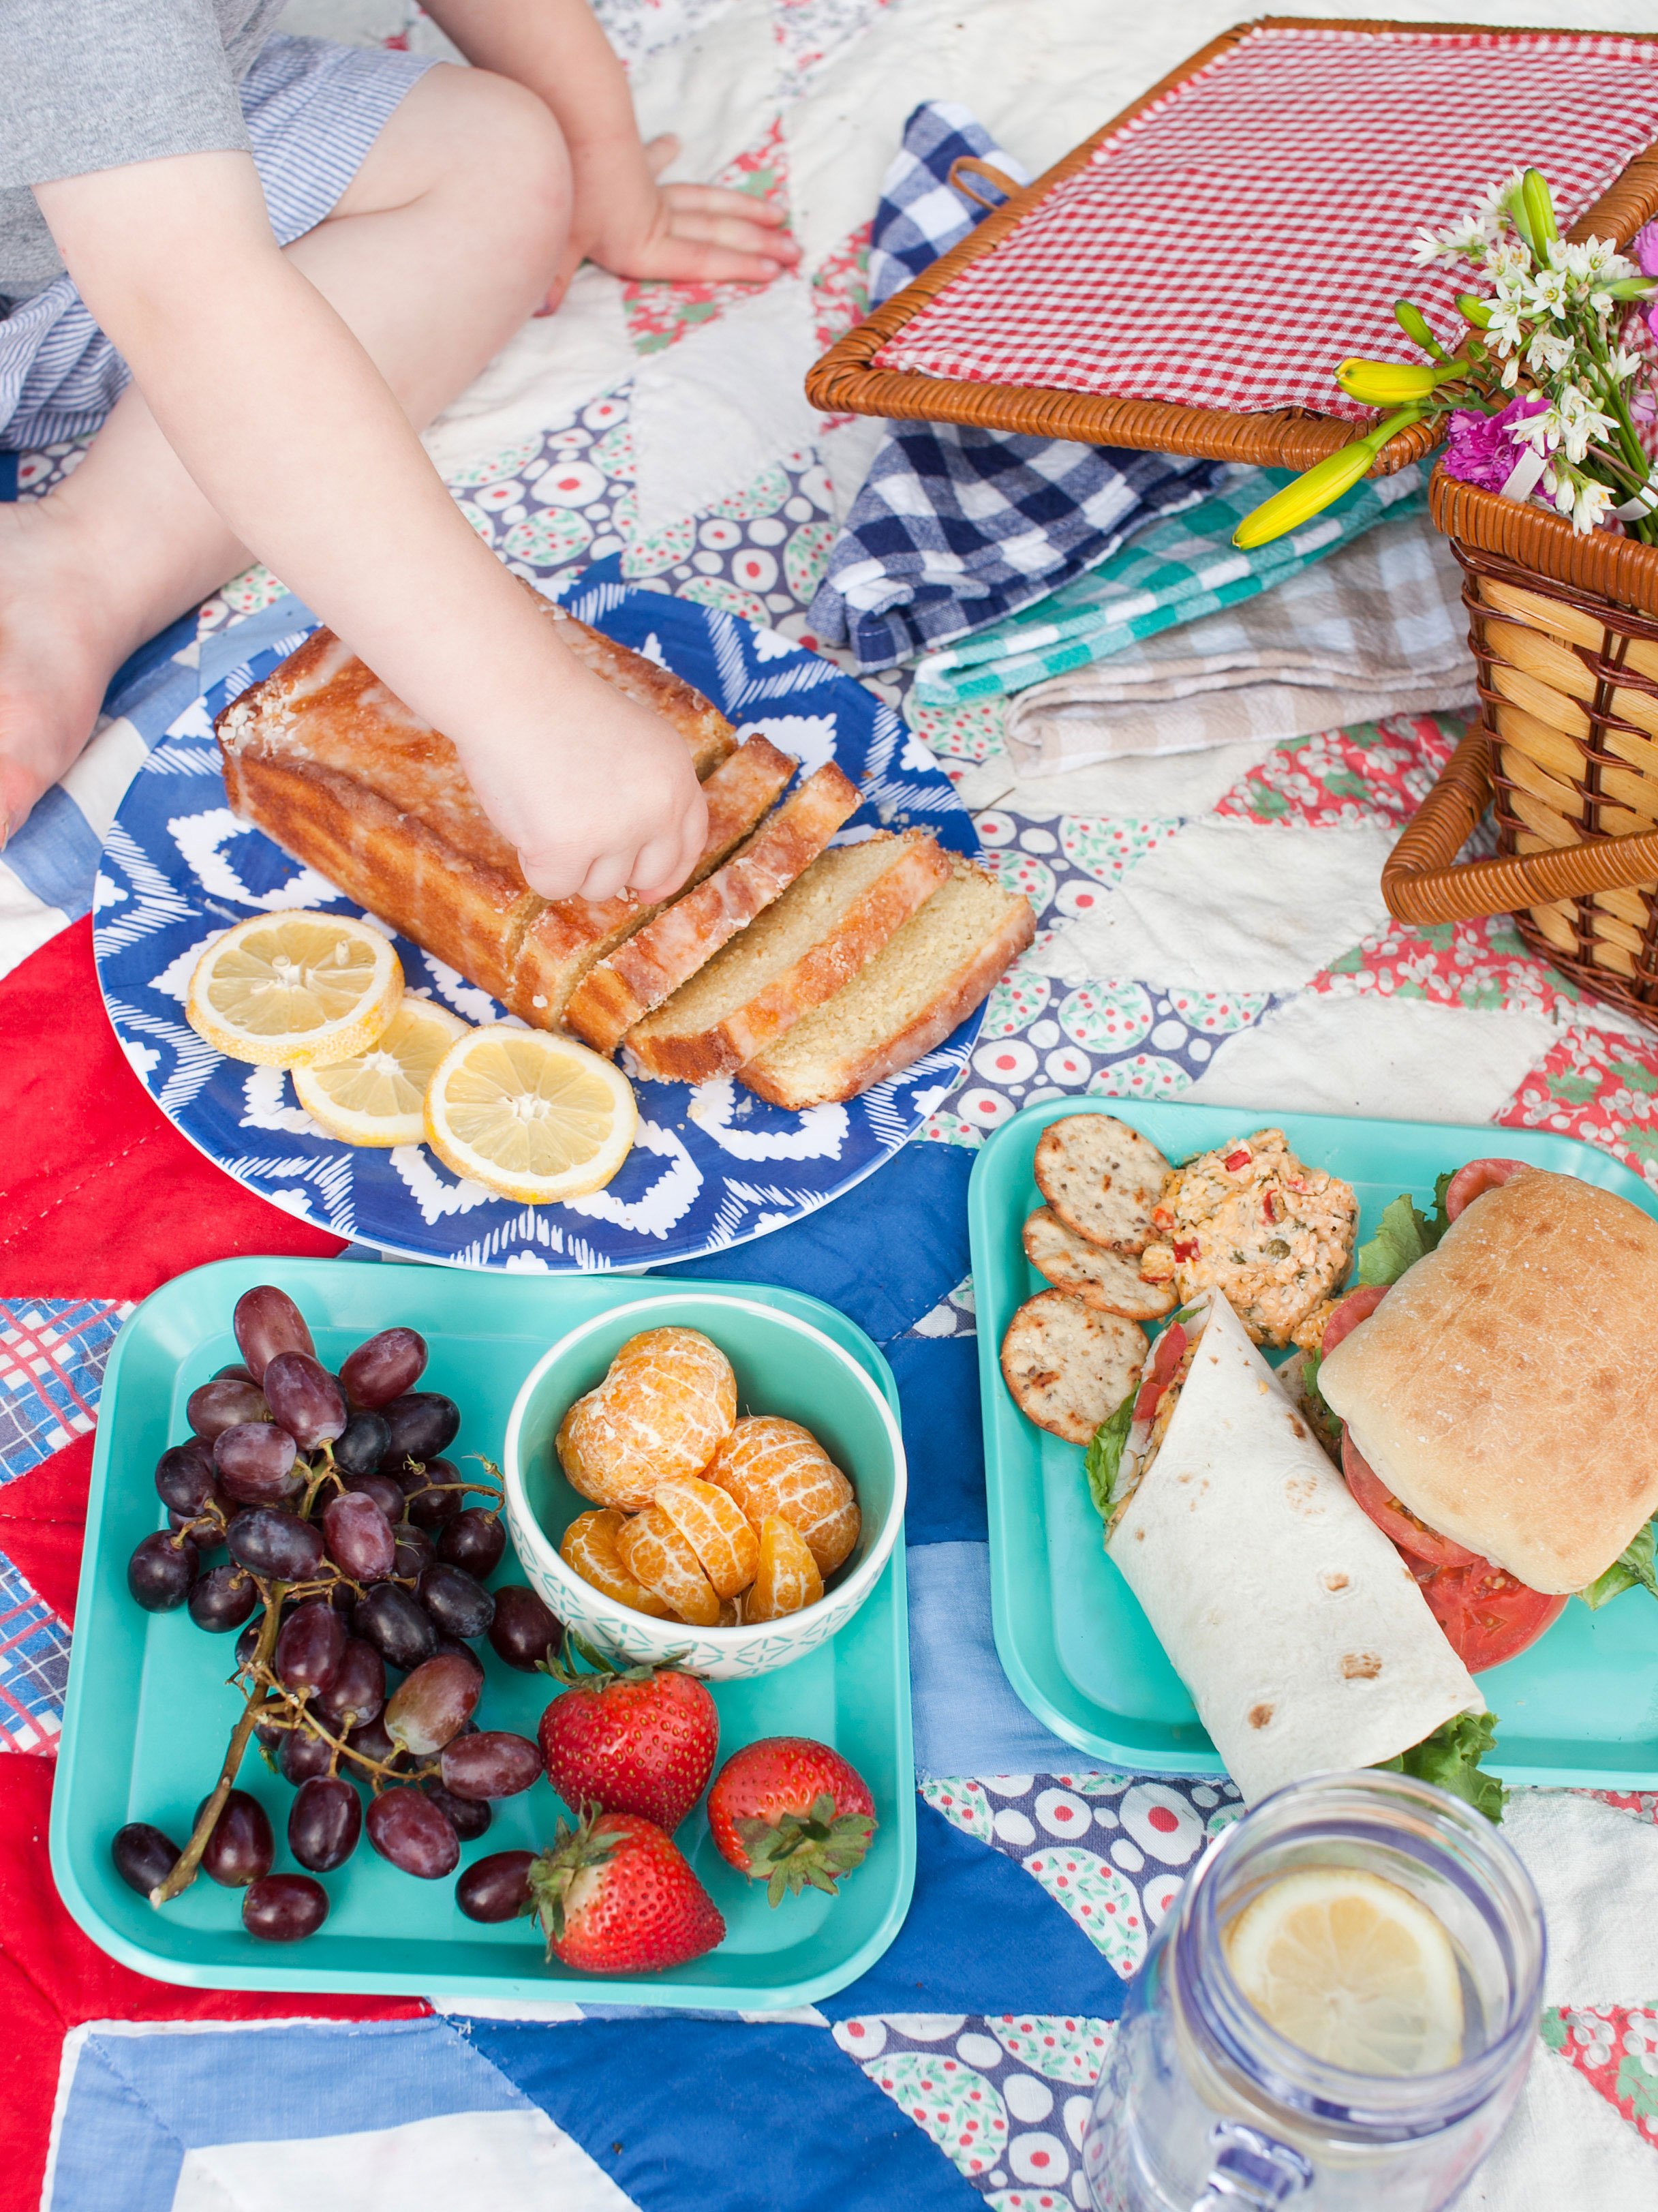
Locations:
{"points": [[792, 958], [623, 988], [905, 1000], [562, 940]]}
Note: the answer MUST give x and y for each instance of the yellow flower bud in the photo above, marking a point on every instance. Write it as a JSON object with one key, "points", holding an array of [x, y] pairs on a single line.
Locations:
{"points": [[1314, 491], [1385, 383], [1538, 203], [1472, 309]]}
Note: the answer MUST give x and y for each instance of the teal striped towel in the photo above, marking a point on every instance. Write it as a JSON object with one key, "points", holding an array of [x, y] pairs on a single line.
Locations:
{"points": [[1173, 572]]}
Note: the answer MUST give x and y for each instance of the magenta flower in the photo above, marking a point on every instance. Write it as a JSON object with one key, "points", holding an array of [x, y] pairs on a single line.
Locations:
{"points": [[1481, 449], [1643, 249]]}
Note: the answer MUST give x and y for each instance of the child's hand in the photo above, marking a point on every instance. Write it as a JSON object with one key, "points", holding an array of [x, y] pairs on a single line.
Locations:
{"points": [[633, 226], [603, 799]]}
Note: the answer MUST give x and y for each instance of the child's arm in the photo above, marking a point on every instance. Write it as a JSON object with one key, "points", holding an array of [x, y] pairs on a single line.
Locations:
{"points": [[623, 220], [296, 439]]}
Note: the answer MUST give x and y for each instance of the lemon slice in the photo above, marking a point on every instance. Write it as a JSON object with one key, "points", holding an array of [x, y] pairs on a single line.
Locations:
{"points": [[295, 990], [1353, 1969], [535, 1116], [378, 1096]]}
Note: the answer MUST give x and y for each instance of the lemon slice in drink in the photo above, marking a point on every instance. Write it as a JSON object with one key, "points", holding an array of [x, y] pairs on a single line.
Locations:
{"points": [[378, 1096], [535, 1116], [1353, 1969], [295, 990]]}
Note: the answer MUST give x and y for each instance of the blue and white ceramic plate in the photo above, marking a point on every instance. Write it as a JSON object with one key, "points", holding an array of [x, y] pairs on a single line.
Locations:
{"points": [[712, 1168]]}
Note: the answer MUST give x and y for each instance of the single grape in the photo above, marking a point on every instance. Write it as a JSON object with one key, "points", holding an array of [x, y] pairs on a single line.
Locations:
{"points": [[205, 1529], [247, 1645], [222, 1598], [423, 1423], [305, 1398], [268, 1321], [241, 1846], [184, 1475], [303, 1757], [222, 1404], [460, 1606], [383, 1368], [324, 1823], [234, 1372], [372, 1740], [310, 1646], [448, 1644], [361, 1445], [359, 1537], [399, 1629], [469, 1817], [385, 1493], [475, 1539], [144, 1857], [283, 1908], [523, 1631], [496, 1888], [416, 1551], [432, 1496], [357, 1691], [269, 1541], [434, 1704], [255, 1461], [491, 1764], [406, 1828], [161, 1570]]}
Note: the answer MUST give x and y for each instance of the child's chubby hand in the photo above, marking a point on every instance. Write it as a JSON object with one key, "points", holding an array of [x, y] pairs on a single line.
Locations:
{"points": [[600, 799], [634, 227]]}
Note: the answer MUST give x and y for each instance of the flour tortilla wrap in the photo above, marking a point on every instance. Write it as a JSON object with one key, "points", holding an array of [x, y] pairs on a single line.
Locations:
{"points": [[1293, 1621]]}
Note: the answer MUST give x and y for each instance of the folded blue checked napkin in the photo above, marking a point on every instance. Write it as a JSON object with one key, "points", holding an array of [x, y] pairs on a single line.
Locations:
{"points": [[956, 528]]}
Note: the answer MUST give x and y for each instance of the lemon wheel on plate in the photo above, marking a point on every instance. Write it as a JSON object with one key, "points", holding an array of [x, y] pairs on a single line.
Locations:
{"points": [[378, 1096], [295, 990], [535, 1116]]}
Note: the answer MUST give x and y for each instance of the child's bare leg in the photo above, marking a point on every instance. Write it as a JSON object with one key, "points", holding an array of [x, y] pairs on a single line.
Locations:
{"points": [[444, 243]]}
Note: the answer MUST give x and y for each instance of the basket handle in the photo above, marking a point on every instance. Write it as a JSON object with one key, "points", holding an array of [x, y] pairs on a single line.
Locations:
{"points": [[1421, 881]]}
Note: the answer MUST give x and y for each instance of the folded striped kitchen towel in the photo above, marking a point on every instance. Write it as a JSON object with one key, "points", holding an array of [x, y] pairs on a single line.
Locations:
{"points": [[957, 527]]}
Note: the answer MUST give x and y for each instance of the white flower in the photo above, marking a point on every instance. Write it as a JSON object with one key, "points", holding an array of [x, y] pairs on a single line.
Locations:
{"points": [[1429, 246], [1623, 364], [1581, 422], [1505, 329], [1550, 353], [1507, 259], [1602, 303], [1490, 209], [1594, 503], [1540, 431], [1467, 238], [1546, 292], [1511, 373]]}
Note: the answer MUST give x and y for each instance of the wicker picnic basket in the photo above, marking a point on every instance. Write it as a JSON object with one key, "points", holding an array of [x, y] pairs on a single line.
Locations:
{"points": [[1564, 630]]}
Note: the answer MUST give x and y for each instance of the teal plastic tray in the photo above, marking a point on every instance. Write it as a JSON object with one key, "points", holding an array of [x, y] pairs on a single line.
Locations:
{"points": [[149, 1712], [1580, 1708]]}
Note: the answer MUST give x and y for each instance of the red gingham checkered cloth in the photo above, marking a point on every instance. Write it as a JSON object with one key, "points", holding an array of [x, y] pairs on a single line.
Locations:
{"points": [[1252, 229]]}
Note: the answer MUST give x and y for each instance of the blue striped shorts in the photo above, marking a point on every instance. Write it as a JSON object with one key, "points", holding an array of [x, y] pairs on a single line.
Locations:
{"points": [[313, 110]]}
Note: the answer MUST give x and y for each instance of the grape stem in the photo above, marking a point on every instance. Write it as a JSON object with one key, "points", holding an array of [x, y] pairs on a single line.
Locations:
{"points": [[188, 1859], [294, 1713]]}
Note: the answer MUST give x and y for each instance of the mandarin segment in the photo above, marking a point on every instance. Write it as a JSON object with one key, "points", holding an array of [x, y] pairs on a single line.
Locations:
{"points": [[587, 1547], [786, 1579], [771, 1466], [664, 1409], [712, 1523], [653, 1551]]}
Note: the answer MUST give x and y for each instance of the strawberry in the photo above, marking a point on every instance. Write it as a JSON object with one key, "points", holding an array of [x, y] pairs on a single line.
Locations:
{"points": [[790, 1811], [614, 1896], [636, 1740]]}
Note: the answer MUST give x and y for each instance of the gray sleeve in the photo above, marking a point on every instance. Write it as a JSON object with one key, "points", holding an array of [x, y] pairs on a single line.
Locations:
{"points": [[92, 84]]}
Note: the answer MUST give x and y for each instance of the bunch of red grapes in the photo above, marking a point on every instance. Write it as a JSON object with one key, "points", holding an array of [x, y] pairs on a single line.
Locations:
{"points": [[317, 1514]]}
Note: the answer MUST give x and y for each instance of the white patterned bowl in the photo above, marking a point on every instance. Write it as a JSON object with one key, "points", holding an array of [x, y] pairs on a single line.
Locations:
{"points": [[784, 1366]]}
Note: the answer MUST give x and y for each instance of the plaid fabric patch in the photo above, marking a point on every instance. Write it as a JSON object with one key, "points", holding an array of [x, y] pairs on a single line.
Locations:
{"points": [[956, 528], [1254, 227], [34, 1665], [52, 1353], [1177, 571]]}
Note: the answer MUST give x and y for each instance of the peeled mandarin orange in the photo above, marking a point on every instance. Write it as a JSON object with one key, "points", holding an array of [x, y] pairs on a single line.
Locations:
{"points": [[664, 1409], [653, 1551], [711, 1522], [773, 1466], [787, 1578], [587, 1547], [731, 1611]]}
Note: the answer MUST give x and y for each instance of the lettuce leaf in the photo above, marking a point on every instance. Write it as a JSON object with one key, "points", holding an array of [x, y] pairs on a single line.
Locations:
{"points": [[1103, 1461], [1634, 1565], [1404, 1235], [1451, 1757]]}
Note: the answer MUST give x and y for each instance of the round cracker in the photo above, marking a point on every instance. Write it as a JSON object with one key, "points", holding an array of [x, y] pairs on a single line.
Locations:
{"points": [[1108, 1281], [1068, 1367], [1102, 1178]]}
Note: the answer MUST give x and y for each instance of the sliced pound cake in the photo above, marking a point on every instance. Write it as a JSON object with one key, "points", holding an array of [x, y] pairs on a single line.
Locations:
{"points": [[797, 953], [905, 1000]]}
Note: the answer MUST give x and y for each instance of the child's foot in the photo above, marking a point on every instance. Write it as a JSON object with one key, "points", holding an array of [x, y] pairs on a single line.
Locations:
{"points": [[58, 648]]}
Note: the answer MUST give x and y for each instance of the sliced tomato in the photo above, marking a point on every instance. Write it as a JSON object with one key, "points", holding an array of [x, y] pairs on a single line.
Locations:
{"points": [[1357, 1305], [1412, 1536], [1487, 1615], [1473, 1181], [1171, 1349]]}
